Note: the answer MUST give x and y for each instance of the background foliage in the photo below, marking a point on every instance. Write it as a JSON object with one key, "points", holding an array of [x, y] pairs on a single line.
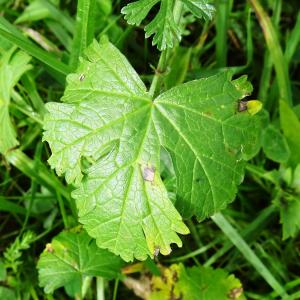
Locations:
{"points": [[250, 250]]}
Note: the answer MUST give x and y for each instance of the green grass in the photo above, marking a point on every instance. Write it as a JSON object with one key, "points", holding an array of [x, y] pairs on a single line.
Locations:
{"points": [[257, 38]]}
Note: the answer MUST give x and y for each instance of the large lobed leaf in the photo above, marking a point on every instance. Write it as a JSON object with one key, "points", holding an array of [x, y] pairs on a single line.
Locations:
{"points": [[107, 135], [70, 257]]}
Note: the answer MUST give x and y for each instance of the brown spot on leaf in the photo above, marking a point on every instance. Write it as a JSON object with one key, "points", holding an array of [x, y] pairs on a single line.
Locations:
{"points": [[148, 173], [235, 293], [49, 248], [81, 77], [242, 106], [156, 251], [207, 113]]}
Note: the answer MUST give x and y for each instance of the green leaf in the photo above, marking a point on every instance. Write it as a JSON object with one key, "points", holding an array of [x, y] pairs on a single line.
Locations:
{"points": [[13, 65], [275, 145], [200, 8], [164, 28], [6, 293], [166, 32], [2, 271], [43, 9], [13, 35], [71, 256], [109, 121], [196, 283], [289, 217], [290, 126]]}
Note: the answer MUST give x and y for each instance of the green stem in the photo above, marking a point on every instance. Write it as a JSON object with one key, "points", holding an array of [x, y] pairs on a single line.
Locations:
{"points": [[165, 55], [116, 289], [157, 79], [84, 32], [100, 288]]}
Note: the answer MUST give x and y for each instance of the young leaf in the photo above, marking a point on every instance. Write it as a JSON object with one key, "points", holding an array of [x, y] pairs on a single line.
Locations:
{"points": [[164, 28], [275, 145], [290, 126], [72, 255], [200, 8], [108, 120], [289, 217], [195, 283], [13, 65], [166, 32]]}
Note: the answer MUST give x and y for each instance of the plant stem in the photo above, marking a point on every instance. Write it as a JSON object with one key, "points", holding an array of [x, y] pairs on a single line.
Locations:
{"points": [[116, 289], [84, 32], [165, 55], [157, 79], [100, 288]]}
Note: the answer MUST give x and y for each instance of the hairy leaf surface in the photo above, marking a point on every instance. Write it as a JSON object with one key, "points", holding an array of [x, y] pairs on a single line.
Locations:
{"points": [[107, 136], [72, 255]]}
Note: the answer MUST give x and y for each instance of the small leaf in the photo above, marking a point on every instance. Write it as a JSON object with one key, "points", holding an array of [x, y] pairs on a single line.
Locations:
{"points": [[36, 10], [137, 11], [72, 255], [164, 28], [275, 145], [254, 106], [178, 282], [200, 8], [166, 32], [13, 65], [289, 217], [109, 120], [290, 126]]}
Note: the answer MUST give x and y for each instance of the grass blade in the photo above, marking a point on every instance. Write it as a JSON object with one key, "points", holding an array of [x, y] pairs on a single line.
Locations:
{"points": [[275, 50], [9, 32], [84, 32], [293, 41], [8, 206], [223, 9], [248, 253], [27, 166]]}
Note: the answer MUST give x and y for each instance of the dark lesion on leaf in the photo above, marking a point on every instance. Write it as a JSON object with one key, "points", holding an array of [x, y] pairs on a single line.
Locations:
{"points": [[81, 77], [235, 293], [242, 105], [148, 173]]}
